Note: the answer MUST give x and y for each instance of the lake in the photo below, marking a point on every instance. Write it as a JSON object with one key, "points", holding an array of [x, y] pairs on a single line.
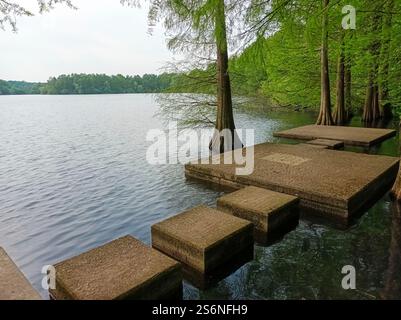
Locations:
{"points": [[73, 175]]}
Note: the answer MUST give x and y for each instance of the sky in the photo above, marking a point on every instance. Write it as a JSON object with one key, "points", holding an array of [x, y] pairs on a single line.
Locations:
{"points": [[102, 36]]}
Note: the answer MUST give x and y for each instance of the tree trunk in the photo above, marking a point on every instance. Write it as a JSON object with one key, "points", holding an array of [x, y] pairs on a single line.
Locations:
{"points": [[325, 117], [392, 288], [339, 113], [371, 111], [396, 190], [225, 137], [376, 105], [348, 87], [385, 106]]}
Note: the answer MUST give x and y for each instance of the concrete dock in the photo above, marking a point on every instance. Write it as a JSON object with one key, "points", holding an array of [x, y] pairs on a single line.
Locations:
{"points": [[13, 284], [122, 269], [351, 136], [269, 211], [334, 184], [203, 239]]}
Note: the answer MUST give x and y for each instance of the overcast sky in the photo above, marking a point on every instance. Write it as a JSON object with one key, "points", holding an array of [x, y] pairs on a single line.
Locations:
{"points": [[101, 36]]}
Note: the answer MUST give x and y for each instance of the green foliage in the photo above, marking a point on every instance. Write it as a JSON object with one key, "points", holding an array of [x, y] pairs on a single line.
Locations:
{"points": [[18, 87], [195, 81], [248, 70], [92, 84], [283, 64]]}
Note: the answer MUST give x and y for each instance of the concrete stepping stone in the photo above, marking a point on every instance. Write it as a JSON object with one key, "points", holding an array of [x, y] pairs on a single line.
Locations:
{"points": [[122, 269], [330, 144], [352, 136], [269, 211], [13, 284], [203, 239]]}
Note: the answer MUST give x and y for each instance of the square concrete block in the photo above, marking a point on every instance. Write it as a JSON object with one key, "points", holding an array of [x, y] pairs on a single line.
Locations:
{"points": [[122, 269], [330, 144], [267, 210], [363, 137], [13, 284], [203, 239]]}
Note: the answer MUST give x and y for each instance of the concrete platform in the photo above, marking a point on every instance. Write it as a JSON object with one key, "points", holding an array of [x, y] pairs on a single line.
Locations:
{"points": [[334, 184], [13, 284], [203, 239], [307, 145], [269, 211], [329, 144], [122, 269], [352, 136]]}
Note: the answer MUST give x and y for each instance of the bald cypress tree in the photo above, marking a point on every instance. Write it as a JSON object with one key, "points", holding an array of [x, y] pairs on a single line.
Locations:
{"points": [[225, 119], [371, 110], [384, 68], [325, 117], [340, 115], [200, 27]]}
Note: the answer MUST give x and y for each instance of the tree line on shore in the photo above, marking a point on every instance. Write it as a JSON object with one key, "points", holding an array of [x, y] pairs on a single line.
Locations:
{"points": [[91, 84]]}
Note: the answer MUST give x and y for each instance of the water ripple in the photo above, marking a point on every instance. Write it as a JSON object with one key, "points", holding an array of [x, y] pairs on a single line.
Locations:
{"points": [[75, 177]]}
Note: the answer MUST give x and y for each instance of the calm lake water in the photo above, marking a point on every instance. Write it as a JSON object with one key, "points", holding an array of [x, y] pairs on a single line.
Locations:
{"points": [[73, 176]]}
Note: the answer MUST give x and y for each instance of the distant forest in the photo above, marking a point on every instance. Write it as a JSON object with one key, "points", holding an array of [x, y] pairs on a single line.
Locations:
{"points": [[91, 84], [19, 87]]}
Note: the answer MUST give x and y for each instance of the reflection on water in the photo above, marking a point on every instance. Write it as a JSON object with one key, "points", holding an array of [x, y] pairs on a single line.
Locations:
{"points": [[392, 288], [74, 176], [207, 280]]}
